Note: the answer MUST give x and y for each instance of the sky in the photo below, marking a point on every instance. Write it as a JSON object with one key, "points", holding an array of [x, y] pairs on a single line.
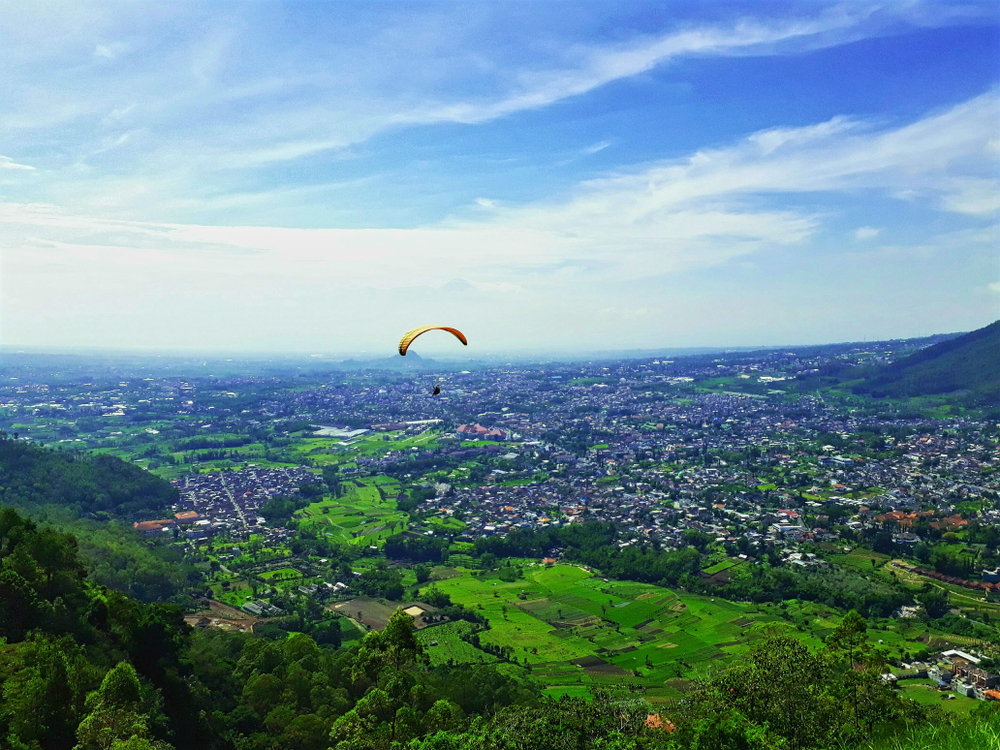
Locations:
{"points": [[318, 177]]}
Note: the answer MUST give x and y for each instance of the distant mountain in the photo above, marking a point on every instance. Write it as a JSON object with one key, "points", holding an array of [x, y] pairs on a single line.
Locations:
{"points": [[969, 364]]}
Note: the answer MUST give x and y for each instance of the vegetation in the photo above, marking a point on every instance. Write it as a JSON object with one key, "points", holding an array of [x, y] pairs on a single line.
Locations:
{"points": [[100, 487], [966, 364]]}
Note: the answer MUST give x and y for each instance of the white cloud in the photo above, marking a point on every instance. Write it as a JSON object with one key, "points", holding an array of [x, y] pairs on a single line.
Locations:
{"points": [[973, 195], [352, 90], [624, 313], [594, 148], [700, 211], [866, 233], [994, 286], [7, 163], [711, 208]]}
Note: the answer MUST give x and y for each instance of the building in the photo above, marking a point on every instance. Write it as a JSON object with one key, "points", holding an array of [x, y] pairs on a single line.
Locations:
{"points": [[154, 527]]}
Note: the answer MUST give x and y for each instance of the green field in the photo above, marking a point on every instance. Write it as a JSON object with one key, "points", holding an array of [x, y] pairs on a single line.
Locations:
{"points": [[365, 514], [860, 559], [931, 696], [322, 451], [283, 574], [721, 566], [445, 646], [575, 629]]}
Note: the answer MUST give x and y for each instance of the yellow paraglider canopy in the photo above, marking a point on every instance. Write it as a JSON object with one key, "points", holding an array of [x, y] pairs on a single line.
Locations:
{"points": [[404, 343]]}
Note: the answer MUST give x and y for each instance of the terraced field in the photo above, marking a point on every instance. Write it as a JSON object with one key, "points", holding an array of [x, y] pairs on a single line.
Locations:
{"points": [[365, 514], [574, 629], [444, 644]]}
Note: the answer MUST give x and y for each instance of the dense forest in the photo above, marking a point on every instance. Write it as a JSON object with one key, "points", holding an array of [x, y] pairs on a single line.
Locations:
{"points": [[96, 498], [967, 363], [99, 487]]}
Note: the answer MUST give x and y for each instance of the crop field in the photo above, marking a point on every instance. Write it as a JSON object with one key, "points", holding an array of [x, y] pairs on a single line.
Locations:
{"points": [[365, 514], [721, 566], [371, 613], [445, 646], [282, 574], [323, 451], [860, 559], [575, 629]]}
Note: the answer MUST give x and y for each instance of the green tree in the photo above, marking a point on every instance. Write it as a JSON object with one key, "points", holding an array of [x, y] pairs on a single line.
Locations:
{"points": [[116, 715], [849, 635]]}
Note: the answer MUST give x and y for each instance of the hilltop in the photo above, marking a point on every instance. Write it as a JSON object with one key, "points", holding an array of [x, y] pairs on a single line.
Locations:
{"points": [[968, 364]]}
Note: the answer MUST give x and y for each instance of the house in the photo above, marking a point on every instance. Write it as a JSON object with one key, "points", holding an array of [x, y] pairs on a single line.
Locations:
{"points": [[655, 721], [964, 688], [976, 676], [478, 432], [906, 539], [154, 527], [954, 654]]}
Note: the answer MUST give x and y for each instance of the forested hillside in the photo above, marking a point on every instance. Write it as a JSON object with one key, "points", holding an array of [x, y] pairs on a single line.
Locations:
{"points": [[95, 498], [101, 487], [969, 363]]}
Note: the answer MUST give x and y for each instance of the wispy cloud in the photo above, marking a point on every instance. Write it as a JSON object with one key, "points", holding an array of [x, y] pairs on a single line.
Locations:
{"points": [[704, 210], [866, 233], [594, 67], [7, 163], [295, 107], [596, 147]]}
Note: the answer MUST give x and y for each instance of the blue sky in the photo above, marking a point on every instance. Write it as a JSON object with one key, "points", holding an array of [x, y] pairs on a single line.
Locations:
{"points": [[318, 177]]}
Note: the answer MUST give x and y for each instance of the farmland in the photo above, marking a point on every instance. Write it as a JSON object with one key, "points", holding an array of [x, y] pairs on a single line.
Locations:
{"points": [[444, 645], [363, 515], [574, 629], [323, 451]]}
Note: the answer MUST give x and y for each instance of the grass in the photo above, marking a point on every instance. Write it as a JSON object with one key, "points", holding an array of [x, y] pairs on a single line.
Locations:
{"points": [[977, 733], [860, 559], [721, 566], [928, 695], [282, 574]]}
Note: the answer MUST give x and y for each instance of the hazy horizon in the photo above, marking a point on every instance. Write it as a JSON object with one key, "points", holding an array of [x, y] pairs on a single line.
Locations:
{"points": [[274, 177], [437, 354]]}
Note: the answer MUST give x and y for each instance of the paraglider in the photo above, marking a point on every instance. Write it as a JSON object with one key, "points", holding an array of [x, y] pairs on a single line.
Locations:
{"points": [[409, 336]]}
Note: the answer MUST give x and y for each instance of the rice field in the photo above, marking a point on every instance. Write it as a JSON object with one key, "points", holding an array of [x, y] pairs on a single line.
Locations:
{"points": [[364, 515], [573, 629]]}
